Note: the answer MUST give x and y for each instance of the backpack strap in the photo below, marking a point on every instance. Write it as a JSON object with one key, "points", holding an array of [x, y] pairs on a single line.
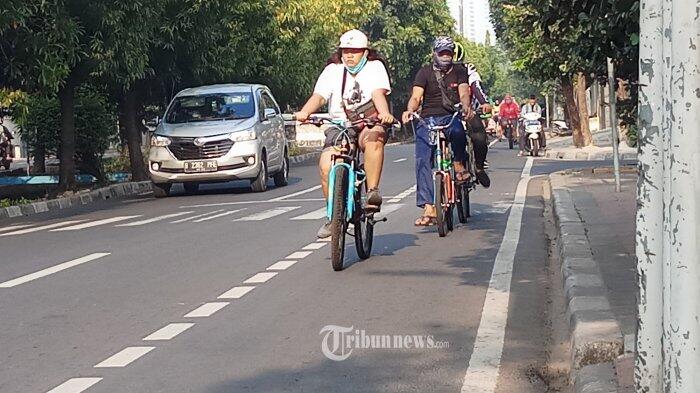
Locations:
{"points": [[446, 101]]}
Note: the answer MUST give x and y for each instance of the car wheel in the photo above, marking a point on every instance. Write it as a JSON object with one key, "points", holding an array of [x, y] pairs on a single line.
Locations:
{"points": [[161, 190], [191, 187], [259, 184], [282, 177]]}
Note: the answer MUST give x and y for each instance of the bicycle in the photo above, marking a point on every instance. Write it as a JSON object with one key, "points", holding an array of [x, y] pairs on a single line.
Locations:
{"points": [[448, 194], [346, 185]]}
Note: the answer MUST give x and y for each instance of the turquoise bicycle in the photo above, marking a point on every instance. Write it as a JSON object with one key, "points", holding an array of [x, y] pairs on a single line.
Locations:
{"points": [[347, 186]]}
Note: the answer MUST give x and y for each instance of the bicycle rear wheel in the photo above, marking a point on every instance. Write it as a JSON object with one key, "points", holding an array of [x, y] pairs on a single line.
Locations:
{"points": [[463, 209], [364, 228], [339, 222], [439, 191]]}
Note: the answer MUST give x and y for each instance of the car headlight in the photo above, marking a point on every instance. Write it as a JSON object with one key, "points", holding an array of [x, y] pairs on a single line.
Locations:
{"points": [[242, 136], [160, 141]]}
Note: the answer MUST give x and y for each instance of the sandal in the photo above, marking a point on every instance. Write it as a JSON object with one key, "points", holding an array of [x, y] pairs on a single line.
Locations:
{"points": [[425, 221]]}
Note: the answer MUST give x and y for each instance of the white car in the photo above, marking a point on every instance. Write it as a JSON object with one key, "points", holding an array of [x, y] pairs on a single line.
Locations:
{"points": [[219, 133]]}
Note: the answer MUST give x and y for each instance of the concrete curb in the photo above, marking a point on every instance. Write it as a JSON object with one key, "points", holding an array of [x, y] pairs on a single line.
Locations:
{"points": [[586, 156], [598, 378], [595, 333], [114, 191], [304, 158]]}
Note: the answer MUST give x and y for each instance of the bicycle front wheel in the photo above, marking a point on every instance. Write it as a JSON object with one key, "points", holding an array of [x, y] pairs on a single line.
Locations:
{"points": [[339, 220], [439, 190]]}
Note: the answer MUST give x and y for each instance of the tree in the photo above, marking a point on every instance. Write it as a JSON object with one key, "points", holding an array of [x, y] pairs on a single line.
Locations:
{"points": [[404, 31]]}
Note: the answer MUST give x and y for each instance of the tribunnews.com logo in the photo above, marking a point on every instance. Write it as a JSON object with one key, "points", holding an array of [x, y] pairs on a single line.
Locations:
{"points": [[339, 342]]}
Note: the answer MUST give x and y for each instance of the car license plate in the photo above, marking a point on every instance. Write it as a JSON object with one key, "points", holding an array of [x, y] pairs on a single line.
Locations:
{"points": [[201, 166]]}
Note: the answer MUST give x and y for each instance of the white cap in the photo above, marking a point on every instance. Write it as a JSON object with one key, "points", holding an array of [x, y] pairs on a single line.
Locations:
{"points": [[354, 39]]}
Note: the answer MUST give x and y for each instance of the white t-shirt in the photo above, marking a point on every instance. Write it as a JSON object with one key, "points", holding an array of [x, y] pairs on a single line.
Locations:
{"points": [[358, 88]]}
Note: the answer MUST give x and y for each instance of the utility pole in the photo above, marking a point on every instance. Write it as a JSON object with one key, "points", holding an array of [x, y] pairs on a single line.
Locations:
{"points": [[613, 123], [461, 18], [668, 218], [546, 104]]}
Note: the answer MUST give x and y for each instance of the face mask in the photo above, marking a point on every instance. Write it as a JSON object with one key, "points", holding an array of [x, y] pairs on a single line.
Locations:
{"points": [[440, 64], [356, 69]]}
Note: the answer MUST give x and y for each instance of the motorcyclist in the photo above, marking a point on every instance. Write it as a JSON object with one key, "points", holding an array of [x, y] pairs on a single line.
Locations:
{"points": [[509, 112], [530, 107]]}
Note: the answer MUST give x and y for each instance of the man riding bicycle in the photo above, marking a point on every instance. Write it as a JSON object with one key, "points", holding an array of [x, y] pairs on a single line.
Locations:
{"points": [[437, 88], [355, 80]]}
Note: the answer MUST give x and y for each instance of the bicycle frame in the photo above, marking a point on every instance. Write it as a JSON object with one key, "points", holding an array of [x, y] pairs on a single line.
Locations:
{"points": [[355, 177]]}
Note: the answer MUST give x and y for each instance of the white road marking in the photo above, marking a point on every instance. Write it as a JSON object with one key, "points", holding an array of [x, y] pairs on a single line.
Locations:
{"points": [[152, 220], [484, 365], [399, 197], [388, 209], [206, 310], [493, 142], [92, 224], [314, 215], [195, 217], [400, 160], [260, 278], [14, 227], [325, 240], [314, 246], [302, 192], [168, 332], [124, 357], [52, 270], [268, 213], [300, 254], [75, 385], [252, 203], [236, 293], [282, 265], [41, 228], [228, 213]]}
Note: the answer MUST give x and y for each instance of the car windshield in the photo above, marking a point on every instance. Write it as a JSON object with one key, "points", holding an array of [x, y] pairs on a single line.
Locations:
{"points": [[211, 107]]}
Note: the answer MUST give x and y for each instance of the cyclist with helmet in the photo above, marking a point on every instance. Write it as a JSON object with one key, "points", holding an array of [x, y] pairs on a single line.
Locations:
{"points": [[354, 80], [436, 89]]}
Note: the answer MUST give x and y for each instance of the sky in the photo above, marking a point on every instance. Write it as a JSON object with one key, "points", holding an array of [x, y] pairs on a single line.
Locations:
{"points": [[476, 19]]}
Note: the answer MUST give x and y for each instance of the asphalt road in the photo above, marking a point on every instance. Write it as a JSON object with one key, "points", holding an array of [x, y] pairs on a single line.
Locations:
{"points": [[228, 291]]}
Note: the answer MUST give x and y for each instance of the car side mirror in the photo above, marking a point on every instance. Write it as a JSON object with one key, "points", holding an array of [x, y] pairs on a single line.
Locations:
{"points": [[270, 113]]}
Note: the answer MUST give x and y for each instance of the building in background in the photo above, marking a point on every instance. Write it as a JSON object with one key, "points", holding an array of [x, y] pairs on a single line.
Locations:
{"points": [[476, 21]]}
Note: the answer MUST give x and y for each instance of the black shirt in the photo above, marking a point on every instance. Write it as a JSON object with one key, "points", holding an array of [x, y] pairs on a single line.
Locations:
{"points": [[432, 97]]}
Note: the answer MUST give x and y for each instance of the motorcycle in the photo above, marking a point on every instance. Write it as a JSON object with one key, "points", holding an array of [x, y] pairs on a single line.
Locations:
{"points": [[560, 128], [509, 131], [533, 128]]}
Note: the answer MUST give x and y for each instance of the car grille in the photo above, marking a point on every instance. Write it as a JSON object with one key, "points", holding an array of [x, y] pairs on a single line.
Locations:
{"points": [[185, 149]]}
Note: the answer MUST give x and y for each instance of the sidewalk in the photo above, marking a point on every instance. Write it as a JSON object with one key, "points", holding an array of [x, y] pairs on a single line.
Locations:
{"points": [[562, 148], [601, 293]]}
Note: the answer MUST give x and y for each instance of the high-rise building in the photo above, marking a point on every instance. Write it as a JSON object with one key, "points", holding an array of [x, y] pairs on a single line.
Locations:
{"points": [[476, 22]]}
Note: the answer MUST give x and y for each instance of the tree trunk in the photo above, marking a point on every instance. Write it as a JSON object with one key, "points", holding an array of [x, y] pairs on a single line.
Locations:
{"points": [[39, 160], [66, 96], [567, 88], [587, 139], [130, 104], [602, 120]]}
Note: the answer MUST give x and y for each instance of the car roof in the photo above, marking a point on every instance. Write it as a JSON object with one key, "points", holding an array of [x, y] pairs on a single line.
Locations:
{"points": [[222, 88]]}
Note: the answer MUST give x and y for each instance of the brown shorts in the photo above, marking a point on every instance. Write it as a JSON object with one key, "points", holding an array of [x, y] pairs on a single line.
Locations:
{"points": [[375, 134]]}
